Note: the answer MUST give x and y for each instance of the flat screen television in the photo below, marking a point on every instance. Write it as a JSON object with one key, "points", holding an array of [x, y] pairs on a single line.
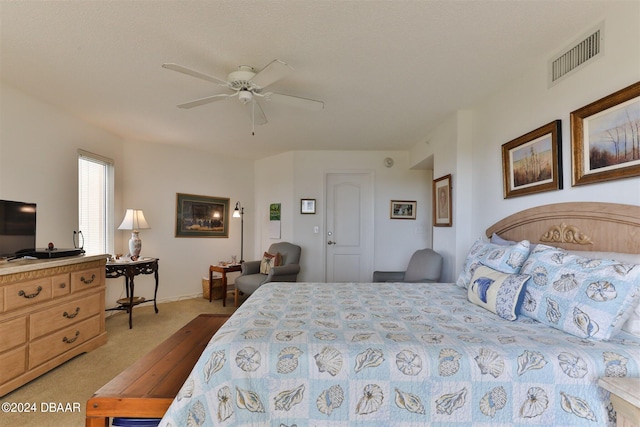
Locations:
{"points": [[17, 227]]}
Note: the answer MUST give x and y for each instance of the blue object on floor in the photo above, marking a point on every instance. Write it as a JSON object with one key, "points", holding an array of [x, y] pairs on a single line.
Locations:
{"points": [[136, 422]]}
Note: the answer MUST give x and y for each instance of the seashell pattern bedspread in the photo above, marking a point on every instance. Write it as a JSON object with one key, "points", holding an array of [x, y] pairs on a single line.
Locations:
{"points": [[394, 354]]}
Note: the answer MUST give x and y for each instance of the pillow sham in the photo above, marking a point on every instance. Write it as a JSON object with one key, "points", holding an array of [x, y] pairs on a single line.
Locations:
{"points": [[269, 261], [506, 259], [497, 240], [632, 325], [500, 293], [588, 298]]}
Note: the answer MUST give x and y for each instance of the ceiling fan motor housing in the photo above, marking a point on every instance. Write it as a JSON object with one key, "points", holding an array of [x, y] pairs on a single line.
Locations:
{"points": [[241, 78]]}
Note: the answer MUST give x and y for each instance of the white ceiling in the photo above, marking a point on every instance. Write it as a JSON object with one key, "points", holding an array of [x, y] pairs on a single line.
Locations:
{"points": [[388, 71]]}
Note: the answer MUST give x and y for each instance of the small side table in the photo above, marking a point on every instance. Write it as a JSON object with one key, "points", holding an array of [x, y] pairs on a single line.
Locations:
{"points": [[129, 270], [625, 397], [223, 269]]}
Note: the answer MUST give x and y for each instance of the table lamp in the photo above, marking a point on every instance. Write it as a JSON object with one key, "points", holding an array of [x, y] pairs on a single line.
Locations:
{"points": [[134, 221]]}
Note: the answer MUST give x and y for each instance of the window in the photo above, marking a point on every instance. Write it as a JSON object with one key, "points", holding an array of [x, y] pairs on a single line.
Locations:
{"points": [[95, 203]]}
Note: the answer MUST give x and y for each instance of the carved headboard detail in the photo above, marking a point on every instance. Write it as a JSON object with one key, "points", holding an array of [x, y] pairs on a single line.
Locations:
{"points": [[564, 233], [593, 226]]}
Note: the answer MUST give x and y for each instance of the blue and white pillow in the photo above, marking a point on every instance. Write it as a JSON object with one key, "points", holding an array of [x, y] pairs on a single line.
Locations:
{"points": [[506, 259], [500, 293], [588, 298]]}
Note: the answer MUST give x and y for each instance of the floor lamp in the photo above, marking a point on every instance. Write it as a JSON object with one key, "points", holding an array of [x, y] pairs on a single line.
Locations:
{"points": [[238, 212]]}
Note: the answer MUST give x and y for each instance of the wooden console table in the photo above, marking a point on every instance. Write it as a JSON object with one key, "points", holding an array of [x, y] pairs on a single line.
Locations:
{"points": [[129, 270], [223, 269], [147, 388]]}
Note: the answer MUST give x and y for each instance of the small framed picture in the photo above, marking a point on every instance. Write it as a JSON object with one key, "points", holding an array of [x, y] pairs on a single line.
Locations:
{"points": [[442, 202], [307, 206], [403, 209]]}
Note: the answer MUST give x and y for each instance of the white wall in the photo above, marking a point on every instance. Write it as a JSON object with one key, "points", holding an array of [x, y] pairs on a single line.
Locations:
{"points": [[520, 106], [395, 240], [154, 174], [39, 161]]}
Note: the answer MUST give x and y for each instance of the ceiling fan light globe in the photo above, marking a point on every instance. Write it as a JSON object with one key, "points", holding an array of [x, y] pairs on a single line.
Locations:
{"points": [[245, 96]]}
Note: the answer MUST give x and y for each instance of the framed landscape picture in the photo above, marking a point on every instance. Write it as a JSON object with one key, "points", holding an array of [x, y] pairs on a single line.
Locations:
{"points": [[201, 216], [442, 202], [532, 163], [605, 138], [403, 209]]}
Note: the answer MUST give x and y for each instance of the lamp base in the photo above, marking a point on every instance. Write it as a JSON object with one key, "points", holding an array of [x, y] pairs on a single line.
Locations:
{"points": [[135, 244]]}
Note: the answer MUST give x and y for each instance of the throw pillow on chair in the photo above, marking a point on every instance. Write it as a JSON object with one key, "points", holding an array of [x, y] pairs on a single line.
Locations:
{"points": [[270, 260]]}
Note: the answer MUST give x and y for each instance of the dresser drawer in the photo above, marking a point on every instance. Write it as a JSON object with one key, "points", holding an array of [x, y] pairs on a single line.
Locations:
{"points": [[27, 293], [63, 340], [13, 333], [65, 314], [60, 285], [86, 279], [14, 363]]}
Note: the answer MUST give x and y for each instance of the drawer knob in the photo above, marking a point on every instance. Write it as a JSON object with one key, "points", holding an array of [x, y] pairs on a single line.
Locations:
{"points": [[72, 315], [29, 296], [62, 285], [88, 281], [71, 340]]}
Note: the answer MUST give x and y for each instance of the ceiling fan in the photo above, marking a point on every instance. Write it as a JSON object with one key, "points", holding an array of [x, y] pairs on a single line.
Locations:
{"points": [[249, 86]]}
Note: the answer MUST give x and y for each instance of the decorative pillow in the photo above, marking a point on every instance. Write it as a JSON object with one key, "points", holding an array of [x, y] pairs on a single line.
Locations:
{"points": [[497, 240], [589, 298], [269, 261], [506, 259], [497, 292]]}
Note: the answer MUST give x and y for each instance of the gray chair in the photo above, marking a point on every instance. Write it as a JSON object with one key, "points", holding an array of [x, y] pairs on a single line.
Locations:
{"points": [[251, 279], [425, 265]]}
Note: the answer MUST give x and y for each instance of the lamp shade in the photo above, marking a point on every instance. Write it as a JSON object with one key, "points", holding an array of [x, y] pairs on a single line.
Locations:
{"points": [[134, 220]]}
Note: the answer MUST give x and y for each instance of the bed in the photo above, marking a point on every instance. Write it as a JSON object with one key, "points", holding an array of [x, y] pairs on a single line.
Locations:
{"points": [[382, 354]]}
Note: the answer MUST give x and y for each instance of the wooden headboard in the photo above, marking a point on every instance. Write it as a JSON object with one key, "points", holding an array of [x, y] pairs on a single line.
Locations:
{"points": [[585, 226]]}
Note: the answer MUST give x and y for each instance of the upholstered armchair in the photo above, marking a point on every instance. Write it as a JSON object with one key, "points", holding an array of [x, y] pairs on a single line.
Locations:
{"points": [[425, 265], [251, 278]]}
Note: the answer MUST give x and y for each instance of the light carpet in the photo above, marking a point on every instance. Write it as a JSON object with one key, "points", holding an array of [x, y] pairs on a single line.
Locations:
{"points": [[75, 381]]}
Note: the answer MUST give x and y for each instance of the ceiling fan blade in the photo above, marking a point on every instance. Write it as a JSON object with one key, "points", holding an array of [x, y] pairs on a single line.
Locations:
{"points": [[296, 101], [194, 73], [203, 101], [273, 72], [255, 113]]}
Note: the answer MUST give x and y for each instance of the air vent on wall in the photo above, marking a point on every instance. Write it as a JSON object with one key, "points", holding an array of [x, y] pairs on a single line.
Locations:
{"points": [[579, 53]]}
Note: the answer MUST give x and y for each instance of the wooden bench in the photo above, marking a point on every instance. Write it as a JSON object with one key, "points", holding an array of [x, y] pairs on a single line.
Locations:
{"points": [[147, 388]]}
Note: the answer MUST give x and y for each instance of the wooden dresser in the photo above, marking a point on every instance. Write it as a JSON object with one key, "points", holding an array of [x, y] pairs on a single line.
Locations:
{"points": [[50, 311]]}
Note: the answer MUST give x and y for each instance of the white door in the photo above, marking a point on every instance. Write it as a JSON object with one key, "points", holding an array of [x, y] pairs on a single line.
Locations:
{"points": [[349, 231]]}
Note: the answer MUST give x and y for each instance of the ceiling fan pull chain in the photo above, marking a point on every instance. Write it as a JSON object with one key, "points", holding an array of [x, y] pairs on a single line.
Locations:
{"points": [[253, 119]]}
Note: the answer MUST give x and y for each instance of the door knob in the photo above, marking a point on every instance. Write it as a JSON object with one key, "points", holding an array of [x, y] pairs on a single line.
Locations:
{"points": [[331, 243]]}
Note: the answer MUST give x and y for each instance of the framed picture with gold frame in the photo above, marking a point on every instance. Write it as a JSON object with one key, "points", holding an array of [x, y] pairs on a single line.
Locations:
{"points": [[605, 138], [532, 163], [442, 205]]}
